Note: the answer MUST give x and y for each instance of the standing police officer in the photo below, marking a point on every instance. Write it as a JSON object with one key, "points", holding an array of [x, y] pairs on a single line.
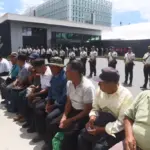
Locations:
{"points": [[72, 55], [129, 58], [112, 56], [83, 56], [62, 55], [146, 61], [92, 61]]}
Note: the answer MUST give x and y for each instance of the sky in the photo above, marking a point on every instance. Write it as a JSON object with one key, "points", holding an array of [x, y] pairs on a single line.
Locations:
{"points": [[125, 11]]}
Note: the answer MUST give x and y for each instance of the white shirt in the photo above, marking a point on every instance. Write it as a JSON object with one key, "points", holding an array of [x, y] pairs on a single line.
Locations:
{"points": [[45, 79], [49, 51], [55, 52], [72, 54], [30, 50], [4, 65], [42, 51], [146, 58], [83, 94], [93, 55], [38, 51], [62, 53], [83, 54], [112, 55], [116, 104], [34, 51], [129, 57]]}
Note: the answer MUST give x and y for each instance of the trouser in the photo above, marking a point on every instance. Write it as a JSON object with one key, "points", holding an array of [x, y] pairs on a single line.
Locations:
{"points": [[146, 74], [84, 65], [49, 57], [92, 67], [129, 71], [71, 59], [70, 134], [112, 64], [102, 141], [63, 59], [43, 119]]}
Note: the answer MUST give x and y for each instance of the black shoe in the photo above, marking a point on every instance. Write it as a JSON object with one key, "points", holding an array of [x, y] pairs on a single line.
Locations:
{"points": [[31, 130], [130, 85], [37, 139], [26, 125], [45, 147], [3, 102], [143, 87]]}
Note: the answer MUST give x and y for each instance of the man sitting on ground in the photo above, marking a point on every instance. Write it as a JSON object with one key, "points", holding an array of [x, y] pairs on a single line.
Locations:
{"points": [[55, 103], [137, 123], [38, 93], [105, 127]]}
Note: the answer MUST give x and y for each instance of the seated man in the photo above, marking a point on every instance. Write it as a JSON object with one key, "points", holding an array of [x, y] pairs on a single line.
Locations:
{"points": [[56, 100], [80, 94], [105, 127], [137, 123], [40, 91], [19, 84], [13, 75], [4, 66]]}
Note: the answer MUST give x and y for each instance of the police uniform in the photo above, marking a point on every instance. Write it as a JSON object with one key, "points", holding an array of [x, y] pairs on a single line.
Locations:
{"points": [[72, 56], [83, 56], [43, 53], [112, 59], [55, 53], [49, 54], [29, 51], [92, 61], [146, 60], [62, 54], [129, 58]]}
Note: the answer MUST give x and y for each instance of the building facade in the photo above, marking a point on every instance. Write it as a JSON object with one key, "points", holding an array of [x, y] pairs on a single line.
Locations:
{"points": [[97, 12]]}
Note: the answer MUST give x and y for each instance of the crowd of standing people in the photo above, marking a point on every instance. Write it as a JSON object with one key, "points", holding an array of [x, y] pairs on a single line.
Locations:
{"points": [[64, 108]]}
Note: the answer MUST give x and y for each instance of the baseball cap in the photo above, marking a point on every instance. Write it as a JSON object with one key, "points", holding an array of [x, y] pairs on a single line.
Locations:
{"points": [[108, 74], [13, 54], [34, 56]]}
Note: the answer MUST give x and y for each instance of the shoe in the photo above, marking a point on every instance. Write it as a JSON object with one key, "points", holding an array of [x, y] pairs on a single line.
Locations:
{"points": [[90, 76], [45, 147], [22, 120], [143, 87], [3, 102], [37, 139], [17, 118], [130, 85], [31, 130], [26, 125]]}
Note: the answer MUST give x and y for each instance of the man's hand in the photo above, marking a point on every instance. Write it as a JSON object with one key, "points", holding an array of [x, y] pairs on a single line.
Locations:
{"points": [[31, 97], [91, 122], [130, 143], [66, 123], [94, 131], [48, 108], [64, 118]]}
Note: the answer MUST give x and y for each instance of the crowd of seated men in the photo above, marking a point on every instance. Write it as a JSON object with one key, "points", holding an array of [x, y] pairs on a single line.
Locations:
{"points": [[66, 111]]}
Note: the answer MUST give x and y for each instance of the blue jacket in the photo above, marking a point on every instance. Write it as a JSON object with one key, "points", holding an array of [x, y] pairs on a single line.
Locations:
{"points": [[57, 93]]}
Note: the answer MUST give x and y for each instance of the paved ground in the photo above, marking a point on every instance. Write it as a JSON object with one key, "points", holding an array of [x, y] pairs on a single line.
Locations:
{"points": [[13, 137]]}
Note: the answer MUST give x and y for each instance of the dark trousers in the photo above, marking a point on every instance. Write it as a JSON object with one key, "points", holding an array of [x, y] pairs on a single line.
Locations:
{"points": [[49, 57], [102, 141], [129, 71], [146, 74], [112, 64], [42, 119], [84, 65], [70, 134], [63, 59], [92, 67]]}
